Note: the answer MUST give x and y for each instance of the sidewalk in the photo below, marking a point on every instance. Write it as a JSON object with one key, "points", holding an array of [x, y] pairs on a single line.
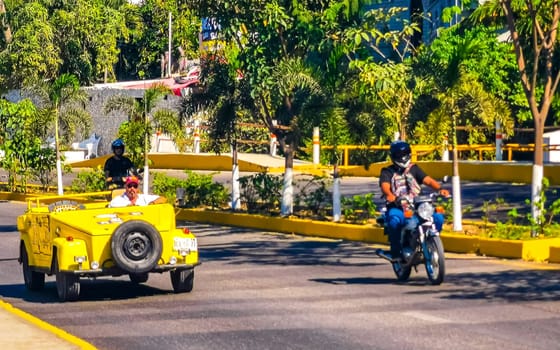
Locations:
{"points": [[20, 330]]}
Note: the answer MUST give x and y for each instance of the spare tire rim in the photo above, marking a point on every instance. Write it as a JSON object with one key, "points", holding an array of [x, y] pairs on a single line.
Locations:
{"points": [[137, 246]]}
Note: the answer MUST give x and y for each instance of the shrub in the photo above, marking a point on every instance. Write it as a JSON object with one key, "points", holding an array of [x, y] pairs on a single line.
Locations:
{"points": [[89, 180], [199, 190], [261, 192]]}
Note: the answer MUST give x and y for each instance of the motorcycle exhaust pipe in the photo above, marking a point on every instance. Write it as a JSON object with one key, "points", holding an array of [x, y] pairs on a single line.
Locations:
{"points": [[382, 254]]}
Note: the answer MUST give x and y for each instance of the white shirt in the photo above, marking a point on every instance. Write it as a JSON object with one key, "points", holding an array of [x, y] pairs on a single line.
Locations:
{"points": [[123, 201]]}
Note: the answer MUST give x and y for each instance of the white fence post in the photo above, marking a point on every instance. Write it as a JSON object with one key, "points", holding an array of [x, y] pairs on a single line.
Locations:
{"points": [[196, 147], [498, 140], [273, 143], [445, 153], [316, 145]]}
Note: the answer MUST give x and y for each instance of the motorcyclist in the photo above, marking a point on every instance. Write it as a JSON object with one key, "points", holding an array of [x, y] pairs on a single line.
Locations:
{"points": [[403, 178], [117, 167]]}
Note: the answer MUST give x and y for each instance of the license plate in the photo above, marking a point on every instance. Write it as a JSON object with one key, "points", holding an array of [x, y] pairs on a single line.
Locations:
{"points": [[185, 244]]}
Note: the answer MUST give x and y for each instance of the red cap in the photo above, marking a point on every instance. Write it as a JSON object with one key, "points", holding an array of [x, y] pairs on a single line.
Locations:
{"points": [[131, 180]]}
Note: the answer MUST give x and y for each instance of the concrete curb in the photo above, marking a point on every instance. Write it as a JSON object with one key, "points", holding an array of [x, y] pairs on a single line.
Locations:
{"points": [[539, 250], [60, 333]]}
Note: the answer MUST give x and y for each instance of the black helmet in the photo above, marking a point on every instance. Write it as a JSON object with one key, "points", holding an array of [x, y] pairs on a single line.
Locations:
{"points": [[118, 143], [400, 153]]}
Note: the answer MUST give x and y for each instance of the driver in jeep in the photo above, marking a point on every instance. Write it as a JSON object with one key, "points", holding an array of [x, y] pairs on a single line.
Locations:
{"points": [[403, 178], [130, 196]]}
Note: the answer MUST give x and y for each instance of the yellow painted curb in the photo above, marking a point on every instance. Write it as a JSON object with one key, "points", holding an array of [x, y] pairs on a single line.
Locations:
{"points": [[46, 326], [18, 197], [457, 243], [509, 172], [364, 233], [554, 254]]}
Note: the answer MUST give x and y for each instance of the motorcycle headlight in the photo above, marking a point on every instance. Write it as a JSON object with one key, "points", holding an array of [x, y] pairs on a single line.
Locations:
{"points": [[425, 211]]}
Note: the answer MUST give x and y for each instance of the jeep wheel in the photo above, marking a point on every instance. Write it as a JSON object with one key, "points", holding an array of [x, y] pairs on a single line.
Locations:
{"points": [[33, 280], [136, 246], [182, 280], [67, 284], [138, 278]]}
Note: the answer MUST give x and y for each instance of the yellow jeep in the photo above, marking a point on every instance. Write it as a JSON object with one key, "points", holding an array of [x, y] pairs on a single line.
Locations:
{"points": [[74, 237]]}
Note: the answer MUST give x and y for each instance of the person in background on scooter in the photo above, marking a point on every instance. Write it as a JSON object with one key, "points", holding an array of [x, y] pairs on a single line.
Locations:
{"points": [[118, 166], [403, 178]]}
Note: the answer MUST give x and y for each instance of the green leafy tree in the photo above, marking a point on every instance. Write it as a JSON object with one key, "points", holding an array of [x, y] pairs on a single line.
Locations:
{"points": [[32, 53], [533, 27], [20, 146], [148, 23], [279, 47]]}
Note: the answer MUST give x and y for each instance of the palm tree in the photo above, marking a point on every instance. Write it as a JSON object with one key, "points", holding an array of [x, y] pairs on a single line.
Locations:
{"points": [[453, 72], [296, 98], [60, 102]]}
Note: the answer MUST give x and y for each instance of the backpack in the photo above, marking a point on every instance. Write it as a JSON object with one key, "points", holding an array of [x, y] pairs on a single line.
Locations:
{"points": [[405, 184]]}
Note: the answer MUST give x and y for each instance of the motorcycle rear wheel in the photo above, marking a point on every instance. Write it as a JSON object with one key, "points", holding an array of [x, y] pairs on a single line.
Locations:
{"points": [[435, 260]]}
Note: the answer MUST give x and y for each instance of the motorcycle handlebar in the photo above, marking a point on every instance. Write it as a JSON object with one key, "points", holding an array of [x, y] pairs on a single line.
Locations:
{"points": [[404, 199]]}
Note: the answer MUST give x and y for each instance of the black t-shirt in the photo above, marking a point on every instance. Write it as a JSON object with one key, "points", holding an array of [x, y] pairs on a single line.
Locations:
{"points": [[415, 171], [118, 167]]}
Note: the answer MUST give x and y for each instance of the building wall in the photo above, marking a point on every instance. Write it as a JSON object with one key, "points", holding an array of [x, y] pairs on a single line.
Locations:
{"points": [[106, 125]]}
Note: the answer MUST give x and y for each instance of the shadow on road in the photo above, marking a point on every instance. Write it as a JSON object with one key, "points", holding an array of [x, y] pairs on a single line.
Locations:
{"points": [[290, 253], [8, 228], [89, 291], [513, 285]]}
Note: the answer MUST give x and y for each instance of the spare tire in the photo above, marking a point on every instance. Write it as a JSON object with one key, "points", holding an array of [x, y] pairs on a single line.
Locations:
{"points": [[136, 246]]}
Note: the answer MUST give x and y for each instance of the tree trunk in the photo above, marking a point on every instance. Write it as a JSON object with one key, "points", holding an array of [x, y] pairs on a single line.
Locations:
{"points": [[287, 206], [235, 192], [537, 206], [4, 23], [456, 182]]}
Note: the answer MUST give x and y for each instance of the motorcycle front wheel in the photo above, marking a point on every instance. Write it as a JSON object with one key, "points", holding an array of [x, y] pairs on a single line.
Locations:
{"points": [[402, 272], [435, 260]]}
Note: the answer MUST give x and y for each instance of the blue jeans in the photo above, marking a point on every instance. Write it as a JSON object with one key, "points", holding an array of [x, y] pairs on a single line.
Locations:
{"points": [[396, 221]]}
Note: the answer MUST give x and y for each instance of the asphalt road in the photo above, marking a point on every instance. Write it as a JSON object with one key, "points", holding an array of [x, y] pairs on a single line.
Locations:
{"points": [[258, 290]]}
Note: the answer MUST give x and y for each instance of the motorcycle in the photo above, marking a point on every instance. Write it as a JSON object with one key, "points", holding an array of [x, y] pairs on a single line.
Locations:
{"points": [[420, 240]]}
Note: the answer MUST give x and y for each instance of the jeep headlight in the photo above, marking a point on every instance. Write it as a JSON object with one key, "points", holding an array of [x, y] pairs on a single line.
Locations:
{"points": [[425, 211]]}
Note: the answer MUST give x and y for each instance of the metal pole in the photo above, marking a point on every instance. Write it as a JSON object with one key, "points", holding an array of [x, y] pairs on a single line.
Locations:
{"points": [[146, 180], [456, 182], [169, 47]]}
